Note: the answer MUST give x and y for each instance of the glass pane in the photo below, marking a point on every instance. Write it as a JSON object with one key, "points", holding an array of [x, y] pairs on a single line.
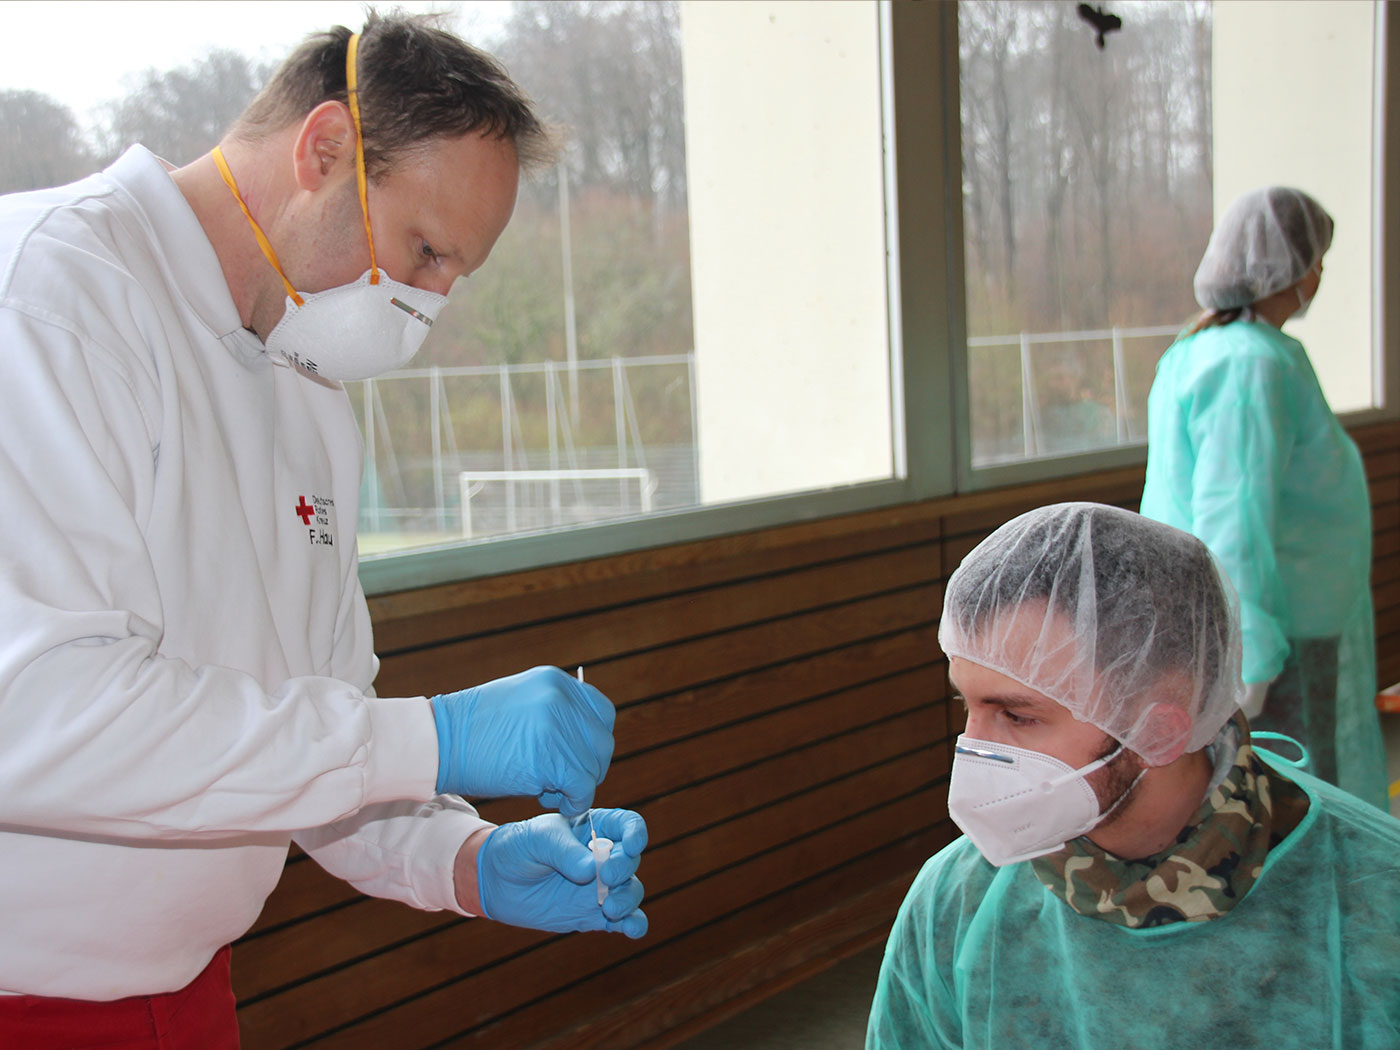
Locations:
{"points": [[1092, 169], [662, 326], [1086, 203]]}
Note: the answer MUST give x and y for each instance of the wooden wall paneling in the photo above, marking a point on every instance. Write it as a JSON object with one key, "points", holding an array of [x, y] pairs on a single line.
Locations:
{"points": [[652, 777], [296, 993], [1384, 489], [762, 646], [437, 614], [694, 973], [1388, 662], [760, 968], [782, 723], [731, 798], [692, 710], [1388, 649], [452, 1010], [810, 795], [1384, 569], [1383, 475], [597, 637], [1385, 544], [457, 952], [317, 944], [1385, 518], [1387, 622], [749, 834], [654, 773], [984, 511], [1376, 439], [1386, 595], [1382, 465], [1380, 447], [1382, 451], [828, 719]]}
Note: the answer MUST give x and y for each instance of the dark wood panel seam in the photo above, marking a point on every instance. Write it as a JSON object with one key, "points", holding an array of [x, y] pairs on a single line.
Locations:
{"points": [[569, 614], [769, 621], [922, 786], [935, 658]]}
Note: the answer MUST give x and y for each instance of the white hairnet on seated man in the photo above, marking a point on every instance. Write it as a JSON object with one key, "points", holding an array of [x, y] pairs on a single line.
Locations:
{"points": [[1125, 614]]}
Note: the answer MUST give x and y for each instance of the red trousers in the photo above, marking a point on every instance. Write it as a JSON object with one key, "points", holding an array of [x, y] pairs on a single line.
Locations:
{"points": [[198, 1017]]}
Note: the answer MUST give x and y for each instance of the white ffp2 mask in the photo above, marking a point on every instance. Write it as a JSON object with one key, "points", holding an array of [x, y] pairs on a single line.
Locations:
{"points": [[1016, 804], [1304, 305], [357, 330], [352, 331]]}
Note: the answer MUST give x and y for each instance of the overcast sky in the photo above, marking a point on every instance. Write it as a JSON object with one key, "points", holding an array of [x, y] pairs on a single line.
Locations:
{"points": [[84, 53]]}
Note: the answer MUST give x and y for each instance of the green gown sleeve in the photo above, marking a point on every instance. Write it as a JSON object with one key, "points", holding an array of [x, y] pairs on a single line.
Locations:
{"points": [[915, 1006]]}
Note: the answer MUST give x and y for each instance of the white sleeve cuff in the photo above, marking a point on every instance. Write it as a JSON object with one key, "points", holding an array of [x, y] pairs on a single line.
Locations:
{"points": [[436, 859], [402, 762]]}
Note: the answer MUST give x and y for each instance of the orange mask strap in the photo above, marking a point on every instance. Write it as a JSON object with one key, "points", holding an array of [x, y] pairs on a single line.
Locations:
{"points": [[353, 93], [263, 242]]}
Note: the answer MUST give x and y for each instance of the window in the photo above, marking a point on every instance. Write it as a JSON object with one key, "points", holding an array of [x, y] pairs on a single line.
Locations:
{"points": [[689, 310], [1090, 179], [799, 258]]}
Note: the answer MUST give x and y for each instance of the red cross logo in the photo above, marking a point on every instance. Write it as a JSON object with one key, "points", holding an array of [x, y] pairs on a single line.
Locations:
{"points": [[305, 510]]}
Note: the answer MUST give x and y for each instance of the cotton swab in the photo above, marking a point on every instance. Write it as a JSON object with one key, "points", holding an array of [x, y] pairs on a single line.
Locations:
{"points": [[600, 848]]}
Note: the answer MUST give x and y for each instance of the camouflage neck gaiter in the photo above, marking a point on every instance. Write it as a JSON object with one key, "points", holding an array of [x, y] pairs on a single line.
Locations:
{"points": [[1215, 860]]}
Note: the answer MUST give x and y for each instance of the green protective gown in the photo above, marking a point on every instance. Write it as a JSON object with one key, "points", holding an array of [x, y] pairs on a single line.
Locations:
{"points": [[983, 957], [1244, 452]]}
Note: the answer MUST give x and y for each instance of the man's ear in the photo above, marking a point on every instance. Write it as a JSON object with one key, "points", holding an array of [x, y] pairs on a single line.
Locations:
{"points": [[325, 147], [1170, 725]]}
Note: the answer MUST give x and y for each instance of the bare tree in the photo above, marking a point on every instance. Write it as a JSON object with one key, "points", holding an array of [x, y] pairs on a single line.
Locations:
{"points": [[990, 47], [182, 113], [40, 143], [609, 71], [1081, 163]]}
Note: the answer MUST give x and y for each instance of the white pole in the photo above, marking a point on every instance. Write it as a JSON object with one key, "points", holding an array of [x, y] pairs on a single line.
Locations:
{"points": [[435, 421], [1030, 432], [1120, 387]]}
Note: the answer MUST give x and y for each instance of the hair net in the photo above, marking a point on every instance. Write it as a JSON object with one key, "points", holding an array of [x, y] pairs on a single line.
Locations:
{"points": [[1107, 613], [1267, 239]]}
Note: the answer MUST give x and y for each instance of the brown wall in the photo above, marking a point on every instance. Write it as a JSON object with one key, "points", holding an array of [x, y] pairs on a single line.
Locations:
{"points": [[783, 725]]}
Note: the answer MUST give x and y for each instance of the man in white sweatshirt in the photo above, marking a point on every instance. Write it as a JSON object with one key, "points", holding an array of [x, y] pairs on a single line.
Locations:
{"points": [[186, 663]]}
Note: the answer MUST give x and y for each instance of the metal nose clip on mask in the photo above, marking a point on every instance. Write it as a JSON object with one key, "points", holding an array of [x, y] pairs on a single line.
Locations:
{"points": [[1015, 804], [357, 330]]}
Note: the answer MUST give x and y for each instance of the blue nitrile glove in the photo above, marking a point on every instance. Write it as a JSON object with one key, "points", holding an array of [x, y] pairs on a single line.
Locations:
{"points": [[540, 732], [538, 873]]}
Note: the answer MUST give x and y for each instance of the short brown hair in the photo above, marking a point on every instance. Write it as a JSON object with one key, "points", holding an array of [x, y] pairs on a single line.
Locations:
{"points": [[417, 83]]}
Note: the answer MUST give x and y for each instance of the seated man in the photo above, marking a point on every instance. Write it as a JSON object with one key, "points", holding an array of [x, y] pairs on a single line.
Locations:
{"points": [[1134, 873]]}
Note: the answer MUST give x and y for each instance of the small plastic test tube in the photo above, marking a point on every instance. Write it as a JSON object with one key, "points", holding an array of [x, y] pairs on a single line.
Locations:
{"points": [[601, 848]]}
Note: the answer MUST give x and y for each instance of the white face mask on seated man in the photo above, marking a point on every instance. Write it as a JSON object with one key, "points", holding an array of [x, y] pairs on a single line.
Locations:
{"points": [[1015, 804]]}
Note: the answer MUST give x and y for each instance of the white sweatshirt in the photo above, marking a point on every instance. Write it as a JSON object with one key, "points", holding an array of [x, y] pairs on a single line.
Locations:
{"points": [[185, 651]]}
